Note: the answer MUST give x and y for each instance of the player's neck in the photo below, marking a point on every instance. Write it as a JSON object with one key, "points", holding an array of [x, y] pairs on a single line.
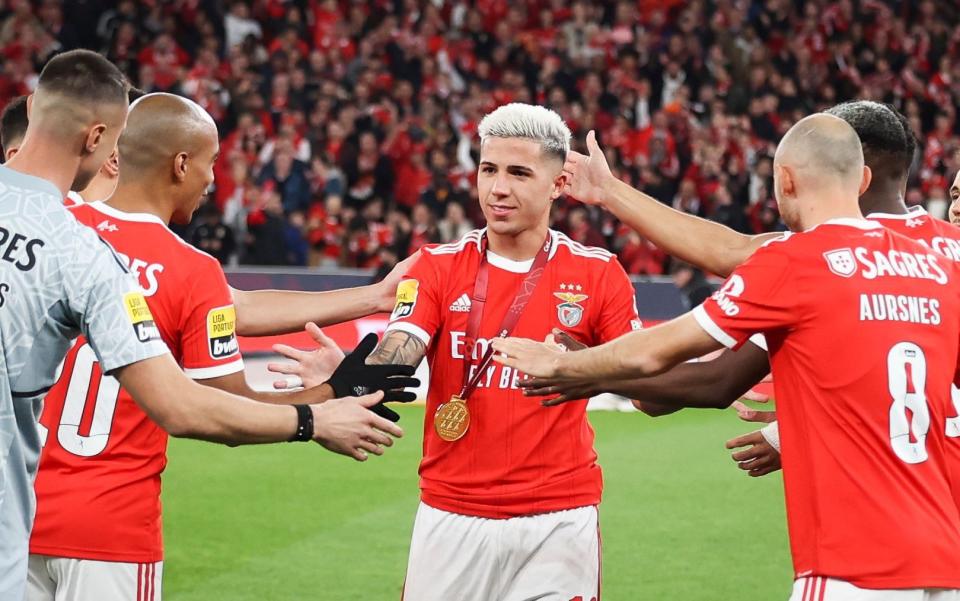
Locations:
{"points": [[99, 189], [829, 211], [43, 157], [140, 197], [517, 247], [884, 197]]}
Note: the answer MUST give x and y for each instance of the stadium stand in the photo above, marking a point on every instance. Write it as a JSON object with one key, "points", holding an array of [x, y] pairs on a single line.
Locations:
{"points": [[348, 128]]}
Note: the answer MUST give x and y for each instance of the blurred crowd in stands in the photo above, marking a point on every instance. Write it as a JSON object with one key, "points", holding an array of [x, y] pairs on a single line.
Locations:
{"points": [[349, 127]]}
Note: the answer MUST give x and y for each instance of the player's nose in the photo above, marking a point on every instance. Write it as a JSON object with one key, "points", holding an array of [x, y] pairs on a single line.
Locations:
{"points": [[500, 186]]}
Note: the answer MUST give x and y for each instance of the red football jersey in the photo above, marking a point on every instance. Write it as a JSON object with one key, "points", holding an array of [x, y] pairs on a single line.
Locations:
{"points": [[944, 238], [863, 327], [98, 487], [518, 457], [937, 235]]}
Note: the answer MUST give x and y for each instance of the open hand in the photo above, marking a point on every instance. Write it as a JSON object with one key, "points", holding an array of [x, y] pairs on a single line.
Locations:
{"points": [[561, 390], [537, 359], [759, 458], [587, 175], [349, 427], [388, 286], [310, 368]]}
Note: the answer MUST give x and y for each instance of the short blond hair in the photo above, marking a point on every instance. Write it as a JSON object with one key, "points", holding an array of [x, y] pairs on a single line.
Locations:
{"points": [[531, 122]]}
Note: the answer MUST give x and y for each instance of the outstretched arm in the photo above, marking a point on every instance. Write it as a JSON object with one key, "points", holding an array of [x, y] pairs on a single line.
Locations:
{"points": [[271, 312], [186, 409], [706, 384], [709, 245], [352, 377], [635, 355]]}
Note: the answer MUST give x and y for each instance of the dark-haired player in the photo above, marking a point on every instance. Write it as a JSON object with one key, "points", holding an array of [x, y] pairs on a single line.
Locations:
{"points": [[97, 534], [58, 279], [13, 125]]}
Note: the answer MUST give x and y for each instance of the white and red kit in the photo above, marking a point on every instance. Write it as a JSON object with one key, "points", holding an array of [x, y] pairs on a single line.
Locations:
{"points": [[518, 459], [863, 328], [98, 487]]}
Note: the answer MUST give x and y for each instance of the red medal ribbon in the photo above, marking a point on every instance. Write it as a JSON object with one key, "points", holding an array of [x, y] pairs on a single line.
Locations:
{"points": [[510, 320]]}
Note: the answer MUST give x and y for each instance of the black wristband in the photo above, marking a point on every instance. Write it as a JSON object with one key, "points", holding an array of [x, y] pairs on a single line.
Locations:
{"points": [[304, 424]]}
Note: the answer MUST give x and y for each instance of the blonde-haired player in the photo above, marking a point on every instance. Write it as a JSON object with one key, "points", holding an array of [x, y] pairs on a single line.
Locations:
{"points": [[509, 489]]}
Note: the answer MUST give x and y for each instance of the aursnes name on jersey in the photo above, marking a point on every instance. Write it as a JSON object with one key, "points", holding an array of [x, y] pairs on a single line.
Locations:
{"points": [[890, 263]]}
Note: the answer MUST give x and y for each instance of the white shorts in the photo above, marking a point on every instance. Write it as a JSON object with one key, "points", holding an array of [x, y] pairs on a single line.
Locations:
{"points": [[67, 579], [828, 589], [545, 557]]}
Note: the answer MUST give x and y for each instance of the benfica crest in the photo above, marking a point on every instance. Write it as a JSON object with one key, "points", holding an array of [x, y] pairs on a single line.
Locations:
{"points": [[570, 312], [841, 262]]}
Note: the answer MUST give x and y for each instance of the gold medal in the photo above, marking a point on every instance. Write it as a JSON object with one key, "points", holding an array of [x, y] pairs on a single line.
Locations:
{"points": [[452, 419]]}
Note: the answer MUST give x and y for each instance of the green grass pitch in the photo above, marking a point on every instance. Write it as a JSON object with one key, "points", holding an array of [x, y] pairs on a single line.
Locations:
{"points": [[289, 522]]}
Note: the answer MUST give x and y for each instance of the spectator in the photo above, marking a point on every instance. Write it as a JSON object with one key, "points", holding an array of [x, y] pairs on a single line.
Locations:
{"points": [[212, 235], [288, 176], [693, 285], [379, 100], [424, 228], [581, 230], [455, 224], [638, 255], [266, 229], [238, 25], [294, 241]]}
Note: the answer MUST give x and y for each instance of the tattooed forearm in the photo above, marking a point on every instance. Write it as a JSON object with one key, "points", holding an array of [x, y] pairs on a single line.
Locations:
{"points": [[398, 348]]}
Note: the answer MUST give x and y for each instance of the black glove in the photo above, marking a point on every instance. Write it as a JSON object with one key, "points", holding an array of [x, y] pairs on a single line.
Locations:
{"points": [[355, 378]]}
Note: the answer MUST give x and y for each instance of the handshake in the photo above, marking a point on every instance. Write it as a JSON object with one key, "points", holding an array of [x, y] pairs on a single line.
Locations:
{"points": [[355, 421], [353, 377]]}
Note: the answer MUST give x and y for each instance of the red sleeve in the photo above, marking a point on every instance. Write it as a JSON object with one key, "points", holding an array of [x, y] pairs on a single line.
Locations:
{"points": [[417, 310], [209, 324], [757, 297], [618, 315]]}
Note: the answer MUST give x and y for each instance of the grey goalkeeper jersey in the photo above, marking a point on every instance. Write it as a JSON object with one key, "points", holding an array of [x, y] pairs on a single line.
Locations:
{"points": [[58, 279]]}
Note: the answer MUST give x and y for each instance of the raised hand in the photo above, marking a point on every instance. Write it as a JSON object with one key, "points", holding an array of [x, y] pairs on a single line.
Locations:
{"points": [[587, 175], [310, 368], [388, 285], [349, 427]]}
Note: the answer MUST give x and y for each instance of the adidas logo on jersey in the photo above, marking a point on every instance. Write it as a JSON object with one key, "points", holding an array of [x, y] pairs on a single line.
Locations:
{"points": [[106, 226], [461, 305]]}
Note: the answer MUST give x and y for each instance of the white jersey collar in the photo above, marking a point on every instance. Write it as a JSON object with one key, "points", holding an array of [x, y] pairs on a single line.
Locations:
{"points": [[519, 266], [912, 212], [123, 216], [860, 224]]}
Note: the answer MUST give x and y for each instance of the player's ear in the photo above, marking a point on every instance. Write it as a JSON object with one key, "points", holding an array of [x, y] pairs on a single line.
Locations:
{"points": [[93, 138], [180, 167], [865, 180], [111, 167], [784, 182], [559, 183], [29, 106]]}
